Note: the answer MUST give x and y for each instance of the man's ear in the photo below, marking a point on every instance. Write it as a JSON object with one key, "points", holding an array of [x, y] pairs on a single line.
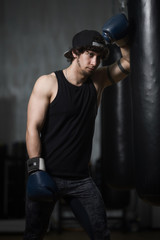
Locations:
{"points": [[75, 55]]}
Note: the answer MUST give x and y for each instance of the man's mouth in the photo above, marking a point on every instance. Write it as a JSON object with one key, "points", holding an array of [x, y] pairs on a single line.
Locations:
{"points": [[92, 69]]}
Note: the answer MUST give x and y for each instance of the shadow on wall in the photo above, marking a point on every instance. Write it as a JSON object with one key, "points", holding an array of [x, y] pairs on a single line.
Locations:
{"points": [[7, 116], [12, 162], [12, 180]]}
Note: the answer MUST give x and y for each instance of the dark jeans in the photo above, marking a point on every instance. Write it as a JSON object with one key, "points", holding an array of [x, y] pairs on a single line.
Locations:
{"points": [[85, 201]]}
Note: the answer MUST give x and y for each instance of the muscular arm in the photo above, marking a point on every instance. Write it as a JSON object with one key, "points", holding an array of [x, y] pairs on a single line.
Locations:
{"points": [[119, 71], [40, 99], [106, 76]]}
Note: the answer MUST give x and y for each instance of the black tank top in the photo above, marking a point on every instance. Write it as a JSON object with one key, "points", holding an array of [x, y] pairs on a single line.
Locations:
{"points": [[68, 130]]}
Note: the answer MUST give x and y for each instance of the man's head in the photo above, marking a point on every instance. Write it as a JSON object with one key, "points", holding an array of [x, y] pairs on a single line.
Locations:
{"points": [[87, 40]]}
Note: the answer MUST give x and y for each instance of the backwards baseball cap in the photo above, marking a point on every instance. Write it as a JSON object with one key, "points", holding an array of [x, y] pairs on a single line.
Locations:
{"points": [[87, 38]]}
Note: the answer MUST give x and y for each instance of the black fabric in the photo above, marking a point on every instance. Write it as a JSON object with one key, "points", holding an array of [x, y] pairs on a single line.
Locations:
{"points": [[33, 164], [145, 84], [86, 38], [85, 201], [121, 67], [68, 130]]}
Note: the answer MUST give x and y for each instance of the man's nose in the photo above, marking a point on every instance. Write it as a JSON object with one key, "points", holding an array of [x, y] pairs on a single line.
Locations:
{"points": [[94, 61]]}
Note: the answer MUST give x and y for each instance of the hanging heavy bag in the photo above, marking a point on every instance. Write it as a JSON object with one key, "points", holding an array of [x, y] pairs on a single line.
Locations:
{"points": [[145, 59]]}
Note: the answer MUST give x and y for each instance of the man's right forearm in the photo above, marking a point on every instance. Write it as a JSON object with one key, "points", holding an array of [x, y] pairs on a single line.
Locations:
{"points": [[33, 143]]}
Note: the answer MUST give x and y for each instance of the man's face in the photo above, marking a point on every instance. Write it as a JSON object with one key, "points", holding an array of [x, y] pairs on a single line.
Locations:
{"points": [[88, 62]]}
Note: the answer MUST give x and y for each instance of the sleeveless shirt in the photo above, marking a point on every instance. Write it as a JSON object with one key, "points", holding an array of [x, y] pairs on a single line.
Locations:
{"points": [[68, 131]]}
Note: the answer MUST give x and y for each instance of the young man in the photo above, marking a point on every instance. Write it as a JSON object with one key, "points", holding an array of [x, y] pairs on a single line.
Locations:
{"points": [[60, 127]]}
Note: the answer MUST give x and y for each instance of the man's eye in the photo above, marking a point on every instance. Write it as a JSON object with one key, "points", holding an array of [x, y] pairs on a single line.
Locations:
{"points": [[90, 54]]}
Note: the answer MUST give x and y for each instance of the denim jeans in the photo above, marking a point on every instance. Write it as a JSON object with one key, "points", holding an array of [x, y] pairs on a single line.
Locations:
{"points": [[85, 201]]}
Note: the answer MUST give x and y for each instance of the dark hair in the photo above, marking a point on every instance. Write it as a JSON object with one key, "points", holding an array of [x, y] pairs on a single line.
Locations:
{"points": [[104, 51]]}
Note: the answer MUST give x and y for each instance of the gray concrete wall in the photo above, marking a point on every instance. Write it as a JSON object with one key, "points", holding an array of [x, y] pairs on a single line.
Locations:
{"points": [[34, 36]]}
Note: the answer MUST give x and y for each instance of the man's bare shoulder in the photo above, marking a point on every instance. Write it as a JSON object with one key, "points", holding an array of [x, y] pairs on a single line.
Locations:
{"points": [[49, 79], [46, 82], [46, 85]]}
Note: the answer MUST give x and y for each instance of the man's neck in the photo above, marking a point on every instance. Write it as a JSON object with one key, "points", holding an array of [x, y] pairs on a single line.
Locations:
{"points": [[74, 75]]}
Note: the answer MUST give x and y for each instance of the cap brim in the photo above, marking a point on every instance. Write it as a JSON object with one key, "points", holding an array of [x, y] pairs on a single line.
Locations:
{"points": [[67, 53]]}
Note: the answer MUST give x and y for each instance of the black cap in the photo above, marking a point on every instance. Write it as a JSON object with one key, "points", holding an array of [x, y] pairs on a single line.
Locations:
{"points": [[86, 38]]}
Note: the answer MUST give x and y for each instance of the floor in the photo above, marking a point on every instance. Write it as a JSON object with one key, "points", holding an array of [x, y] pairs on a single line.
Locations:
{"points": [[80, 235]]}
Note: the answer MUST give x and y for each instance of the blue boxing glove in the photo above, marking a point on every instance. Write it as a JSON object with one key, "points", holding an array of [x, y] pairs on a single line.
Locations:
{"points": [[115, 29], [40, 186]]}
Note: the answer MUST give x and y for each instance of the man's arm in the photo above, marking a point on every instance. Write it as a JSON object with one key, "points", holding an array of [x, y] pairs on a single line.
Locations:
{"points": [[37, 108], [115, 31], [108, 75], [40, 186], [120, 69]]}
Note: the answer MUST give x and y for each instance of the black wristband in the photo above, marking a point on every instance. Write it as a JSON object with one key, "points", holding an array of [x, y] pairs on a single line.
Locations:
{"points": [[35, 164], [109, 76], [121, 67]]}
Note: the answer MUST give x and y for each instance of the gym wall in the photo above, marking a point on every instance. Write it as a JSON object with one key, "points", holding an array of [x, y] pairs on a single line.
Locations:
{"points": [[34, 36]]}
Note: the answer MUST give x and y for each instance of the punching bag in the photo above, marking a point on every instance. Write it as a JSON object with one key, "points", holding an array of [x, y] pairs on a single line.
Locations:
{"points": [[113, 198], [116, 131], [145, 79]]}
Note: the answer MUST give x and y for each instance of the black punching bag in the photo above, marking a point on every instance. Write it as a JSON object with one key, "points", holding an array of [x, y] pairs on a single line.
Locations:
{"points": [[145, 77], [116, 132]]}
